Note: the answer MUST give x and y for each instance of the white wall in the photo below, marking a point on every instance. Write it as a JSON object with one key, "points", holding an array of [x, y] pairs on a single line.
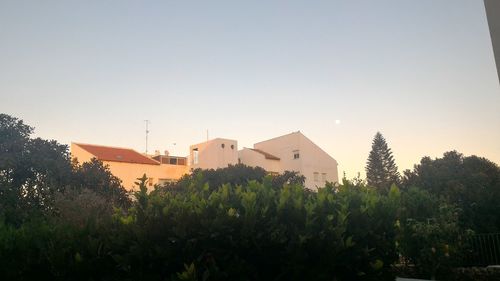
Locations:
{"points": [[213, 154], [312, 159], [315, 160], [283, 148], [255, 159]]}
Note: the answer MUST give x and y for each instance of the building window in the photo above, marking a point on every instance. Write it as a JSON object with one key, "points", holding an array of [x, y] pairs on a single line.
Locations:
{"points": [[232, 146], [296, 154], [222, 145], [195, 156], [316, 176], [181, 161], [323, 176], [150, 181]]}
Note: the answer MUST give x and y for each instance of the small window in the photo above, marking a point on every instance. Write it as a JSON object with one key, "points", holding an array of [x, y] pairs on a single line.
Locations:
{"points": [[195, 156], [323, 176], [232, 146], [150, 181], [296, 154], [222, 145], [316, 176]]}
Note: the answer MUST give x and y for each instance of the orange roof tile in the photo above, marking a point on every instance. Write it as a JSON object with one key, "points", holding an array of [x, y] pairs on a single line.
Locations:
{"points": [[116, 154]]}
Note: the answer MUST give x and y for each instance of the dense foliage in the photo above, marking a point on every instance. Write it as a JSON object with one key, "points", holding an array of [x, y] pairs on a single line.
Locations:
{"points": [[429, 234], [34, 173], [238, 174], [381, 169], [60, 220], [254, 231], [445, 202], [471, 183]]}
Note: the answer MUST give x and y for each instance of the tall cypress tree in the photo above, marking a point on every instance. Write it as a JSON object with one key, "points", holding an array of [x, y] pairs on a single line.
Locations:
{"points": [[381, 170]]}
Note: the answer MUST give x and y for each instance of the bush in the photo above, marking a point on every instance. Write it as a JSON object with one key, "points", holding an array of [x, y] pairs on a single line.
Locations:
{"points": [[252, 231], [256, 231], [430, 237]]}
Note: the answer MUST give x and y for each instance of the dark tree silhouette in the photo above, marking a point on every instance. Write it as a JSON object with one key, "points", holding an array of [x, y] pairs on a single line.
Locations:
{"points": [[34, 171], [471, 183], [381, 170]]}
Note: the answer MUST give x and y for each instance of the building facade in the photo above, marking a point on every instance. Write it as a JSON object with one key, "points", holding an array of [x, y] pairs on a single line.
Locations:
{"points": [[258, 158], [291, 152], [213, 154], [128, 164]]}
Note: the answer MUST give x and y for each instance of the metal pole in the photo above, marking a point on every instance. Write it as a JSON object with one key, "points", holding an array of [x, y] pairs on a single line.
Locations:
{"points": [[147, 132]]}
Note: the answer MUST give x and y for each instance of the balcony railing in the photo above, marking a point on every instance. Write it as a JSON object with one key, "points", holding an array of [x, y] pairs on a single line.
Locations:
{"points": [[171, 160]]}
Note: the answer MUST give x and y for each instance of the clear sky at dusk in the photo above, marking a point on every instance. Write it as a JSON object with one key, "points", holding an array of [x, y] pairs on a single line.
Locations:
{"points": [[420, 71]]}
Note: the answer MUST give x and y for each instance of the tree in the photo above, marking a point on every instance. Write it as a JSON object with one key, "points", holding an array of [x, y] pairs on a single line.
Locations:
{"points": [[33, 171], [381, 170], [96, 176], [472, 183], [288, 177], [14, 136], [435, 244], [234, 175]]}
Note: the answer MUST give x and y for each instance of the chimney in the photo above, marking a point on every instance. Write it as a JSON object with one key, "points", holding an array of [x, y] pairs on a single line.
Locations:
{"points": [[166, 153]]}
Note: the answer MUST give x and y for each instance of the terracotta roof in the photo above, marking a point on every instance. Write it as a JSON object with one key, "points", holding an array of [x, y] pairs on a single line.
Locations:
{"points": [[116, 154], [267, 155]]}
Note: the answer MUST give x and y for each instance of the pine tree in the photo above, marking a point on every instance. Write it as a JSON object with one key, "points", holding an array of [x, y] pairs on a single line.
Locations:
{"points": [[381, 170]]}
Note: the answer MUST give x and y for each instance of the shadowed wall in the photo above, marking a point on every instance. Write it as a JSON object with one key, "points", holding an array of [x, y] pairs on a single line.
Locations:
{"points": [[493, 13]]}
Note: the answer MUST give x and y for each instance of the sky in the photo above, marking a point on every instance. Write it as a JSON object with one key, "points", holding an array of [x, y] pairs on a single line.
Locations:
{"points": [[420, 72]]}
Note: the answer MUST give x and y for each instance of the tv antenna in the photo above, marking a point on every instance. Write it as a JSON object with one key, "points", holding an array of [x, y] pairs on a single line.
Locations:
{"points": [[147, 132]]}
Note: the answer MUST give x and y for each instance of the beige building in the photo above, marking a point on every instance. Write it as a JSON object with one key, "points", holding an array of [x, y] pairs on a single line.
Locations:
{"points": [[213, 154], [293, 152], [128, 164]]}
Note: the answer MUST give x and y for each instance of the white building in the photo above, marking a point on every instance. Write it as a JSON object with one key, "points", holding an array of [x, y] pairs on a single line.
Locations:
{"points": [[213, 154], [293, 152]]}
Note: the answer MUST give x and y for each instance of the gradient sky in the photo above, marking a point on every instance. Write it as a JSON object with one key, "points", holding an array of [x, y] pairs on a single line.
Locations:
{"points": [[420, 71]]}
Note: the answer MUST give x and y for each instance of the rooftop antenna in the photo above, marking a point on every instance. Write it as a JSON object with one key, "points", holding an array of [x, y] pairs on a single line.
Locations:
{"points": [[147, 132]]}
